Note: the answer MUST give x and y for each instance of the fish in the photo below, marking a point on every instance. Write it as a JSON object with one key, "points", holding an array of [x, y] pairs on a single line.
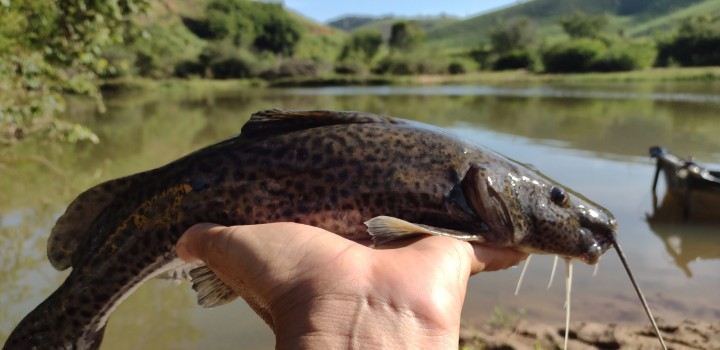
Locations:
{"points": [[369, 178]]}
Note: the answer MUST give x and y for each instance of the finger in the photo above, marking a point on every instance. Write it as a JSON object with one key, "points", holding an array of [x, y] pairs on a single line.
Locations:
{"points": [[494, 259], [193, 244]]}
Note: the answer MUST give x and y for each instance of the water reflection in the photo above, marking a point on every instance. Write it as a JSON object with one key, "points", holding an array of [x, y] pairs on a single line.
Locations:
{"points": [[688, 239]]}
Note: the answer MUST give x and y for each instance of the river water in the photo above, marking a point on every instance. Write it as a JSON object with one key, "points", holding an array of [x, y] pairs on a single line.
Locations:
{"points": [[593, 138]]}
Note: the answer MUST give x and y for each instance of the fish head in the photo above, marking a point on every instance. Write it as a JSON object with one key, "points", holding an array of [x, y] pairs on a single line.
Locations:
{"points": [[563, 222]]}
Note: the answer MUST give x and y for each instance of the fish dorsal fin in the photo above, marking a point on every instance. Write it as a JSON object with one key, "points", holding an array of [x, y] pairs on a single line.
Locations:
{"points": [[278, 121], [71, 228]]}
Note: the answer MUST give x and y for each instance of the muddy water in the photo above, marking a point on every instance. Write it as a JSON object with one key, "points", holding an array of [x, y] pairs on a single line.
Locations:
{"points": [[593, 138]]}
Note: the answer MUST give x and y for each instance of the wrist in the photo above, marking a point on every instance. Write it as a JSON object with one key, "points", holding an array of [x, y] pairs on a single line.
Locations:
{"points": [[354, 322]]}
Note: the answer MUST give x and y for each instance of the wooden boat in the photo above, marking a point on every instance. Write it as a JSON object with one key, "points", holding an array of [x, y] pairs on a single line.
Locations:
{"points": [[685, 178]]}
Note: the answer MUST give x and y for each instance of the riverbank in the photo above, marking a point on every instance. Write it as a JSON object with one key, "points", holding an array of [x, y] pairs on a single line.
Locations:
{"points": [[647, 75], [683, 335]]}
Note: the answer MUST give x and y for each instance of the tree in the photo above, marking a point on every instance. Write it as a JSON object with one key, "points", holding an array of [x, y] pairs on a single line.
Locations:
{"points": [[363, 43], [50, 47], [517, 34], [405, 36], [580, 25], [277, 32], [264, 26]]}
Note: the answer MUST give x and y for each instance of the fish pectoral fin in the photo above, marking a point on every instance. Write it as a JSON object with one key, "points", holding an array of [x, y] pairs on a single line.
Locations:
{"points": [[211, 290], [385, 229], [486, 201]]}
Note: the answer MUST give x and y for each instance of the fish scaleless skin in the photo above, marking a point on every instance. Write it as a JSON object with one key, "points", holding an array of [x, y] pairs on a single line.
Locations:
{"points": [[334, 170]]}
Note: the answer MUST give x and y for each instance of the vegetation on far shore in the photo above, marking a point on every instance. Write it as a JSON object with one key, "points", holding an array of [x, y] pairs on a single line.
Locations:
{"points": [[50, 49]]}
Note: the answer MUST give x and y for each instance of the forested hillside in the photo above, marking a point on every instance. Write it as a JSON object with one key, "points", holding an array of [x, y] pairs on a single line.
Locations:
{"points": [[632, 17]]}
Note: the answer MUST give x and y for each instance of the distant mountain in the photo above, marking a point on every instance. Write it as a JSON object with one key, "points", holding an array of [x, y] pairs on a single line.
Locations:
{"points": [[383, 24], [350, 23], [632, 17]]}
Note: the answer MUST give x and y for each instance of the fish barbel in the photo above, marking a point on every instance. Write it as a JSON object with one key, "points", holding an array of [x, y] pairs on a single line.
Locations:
{"points": [[334, 170]]}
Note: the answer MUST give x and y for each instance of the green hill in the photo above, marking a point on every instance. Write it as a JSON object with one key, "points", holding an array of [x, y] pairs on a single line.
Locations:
{"points": [[383, 24], [350, 23], [632, 17]]}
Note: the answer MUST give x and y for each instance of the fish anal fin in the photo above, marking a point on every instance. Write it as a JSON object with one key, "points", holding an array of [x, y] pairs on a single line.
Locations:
{"points": [[385, 229], [278, 121], [71, 228], [179, 273], [211, 290]]}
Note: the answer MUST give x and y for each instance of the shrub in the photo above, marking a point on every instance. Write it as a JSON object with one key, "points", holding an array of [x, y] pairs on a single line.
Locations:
{"points": [[695, 43], [237, 66], [457, 67], [410, 64], [516, 59], [573, 56], [626, 56], [292, 68], [188, 68], [350, 68]]}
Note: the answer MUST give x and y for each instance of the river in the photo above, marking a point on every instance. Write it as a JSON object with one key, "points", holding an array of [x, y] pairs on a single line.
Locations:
{"points": [[594, 138]]}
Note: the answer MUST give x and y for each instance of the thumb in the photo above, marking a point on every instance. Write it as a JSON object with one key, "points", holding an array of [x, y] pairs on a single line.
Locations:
{"points": [[199, 241]]}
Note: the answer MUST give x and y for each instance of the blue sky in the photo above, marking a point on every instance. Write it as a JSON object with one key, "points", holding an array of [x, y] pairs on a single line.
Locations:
{"points": [[325, 10]]}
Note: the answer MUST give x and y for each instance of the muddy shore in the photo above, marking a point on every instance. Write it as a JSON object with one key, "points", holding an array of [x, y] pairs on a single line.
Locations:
{"points": [[683, 335]]}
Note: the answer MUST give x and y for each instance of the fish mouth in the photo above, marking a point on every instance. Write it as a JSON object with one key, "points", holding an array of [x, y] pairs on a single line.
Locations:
{"points": [[602, 240]]}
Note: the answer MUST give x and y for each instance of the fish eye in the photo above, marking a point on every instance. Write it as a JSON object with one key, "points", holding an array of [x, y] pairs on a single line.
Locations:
{"points": [[558, 196]]}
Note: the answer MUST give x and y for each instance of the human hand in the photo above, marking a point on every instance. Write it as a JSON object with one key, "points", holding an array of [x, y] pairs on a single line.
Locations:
{"points": [[318, 290]]}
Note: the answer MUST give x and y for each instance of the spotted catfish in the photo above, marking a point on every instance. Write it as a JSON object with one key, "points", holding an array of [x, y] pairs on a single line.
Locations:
{"points": [[335, 170]]}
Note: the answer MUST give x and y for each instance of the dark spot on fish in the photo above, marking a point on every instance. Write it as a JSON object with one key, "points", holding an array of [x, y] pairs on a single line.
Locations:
{"points": [[317, 142], [70, 310], [317, 157], [252, 177], [280, 152], [329, 177], [302, 154], [335, 163], [199, 184], [239, 174], [302, 208], [319, 191], [205, 167], [299, 186]]}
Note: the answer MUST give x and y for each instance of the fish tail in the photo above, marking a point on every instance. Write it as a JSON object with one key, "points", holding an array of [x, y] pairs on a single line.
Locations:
{"points": [[50, 326]]}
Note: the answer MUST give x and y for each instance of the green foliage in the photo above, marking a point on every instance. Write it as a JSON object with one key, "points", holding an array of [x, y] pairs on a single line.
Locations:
{"points": [[696, 43], [264, 26], [364, 44], [580, 25], [516, 59], [626, 55], [517, 34], [277, 31], [586, 55], [51, 47], [410, 64], [573, 55], [405, 36]]}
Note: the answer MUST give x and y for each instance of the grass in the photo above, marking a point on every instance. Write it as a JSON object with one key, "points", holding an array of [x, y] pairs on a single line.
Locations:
{"points": [[653, 74]]}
